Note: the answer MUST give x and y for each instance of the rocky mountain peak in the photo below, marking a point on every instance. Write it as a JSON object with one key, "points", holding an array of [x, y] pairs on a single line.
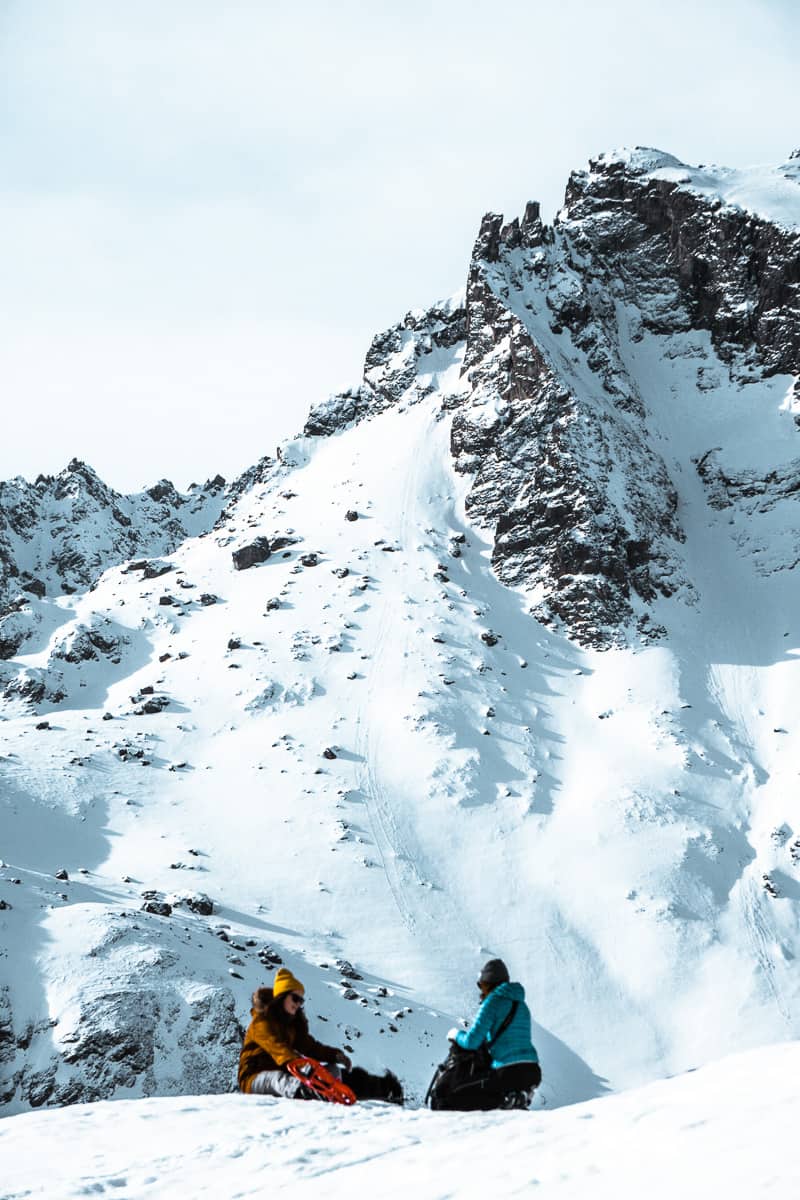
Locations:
{"points": [[551, 420]]}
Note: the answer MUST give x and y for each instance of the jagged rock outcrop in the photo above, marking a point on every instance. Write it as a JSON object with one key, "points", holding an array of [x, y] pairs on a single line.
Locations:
{"points": [[641, 216], [58, 535], [400, 368], [557, 467], [135, 1026]]}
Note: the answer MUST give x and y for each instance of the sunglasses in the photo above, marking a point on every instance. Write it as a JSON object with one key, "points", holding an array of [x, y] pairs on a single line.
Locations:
{"points": [[298, 999]]}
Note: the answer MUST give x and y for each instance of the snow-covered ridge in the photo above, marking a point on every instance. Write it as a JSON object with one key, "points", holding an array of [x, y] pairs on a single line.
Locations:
{"points": [[769, 192], [58, 535]]}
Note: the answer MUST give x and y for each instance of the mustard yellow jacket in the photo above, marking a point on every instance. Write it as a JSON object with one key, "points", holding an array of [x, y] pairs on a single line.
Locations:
{"points": [[269, 1044]]}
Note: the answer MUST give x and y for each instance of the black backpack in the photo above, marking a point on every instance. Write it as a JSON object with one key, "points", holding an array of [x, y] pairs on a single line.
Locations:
{"points": [[462, 1068]]}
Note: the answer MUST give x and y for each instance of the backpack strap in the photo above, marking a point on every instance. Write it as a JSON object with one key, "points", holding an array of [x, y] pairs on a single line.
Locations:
{"points": [[512, 1012]]}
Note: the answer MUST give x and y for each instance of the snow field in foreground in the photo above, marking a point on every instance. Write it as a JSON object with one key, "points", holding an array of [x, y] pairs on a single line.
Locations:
{"points": [[724, 1130]]}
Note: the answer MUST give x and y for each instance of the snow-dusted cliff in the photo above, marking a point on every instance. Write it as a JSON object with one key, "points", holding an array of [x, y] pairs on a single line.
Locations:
{"points": [[498, 657], [59, 534]]}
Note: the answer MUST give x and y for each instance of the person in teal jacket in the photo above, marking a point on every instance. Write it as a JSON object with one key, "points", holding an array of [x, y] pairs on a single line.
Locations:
{"points": [[503, 1025]]}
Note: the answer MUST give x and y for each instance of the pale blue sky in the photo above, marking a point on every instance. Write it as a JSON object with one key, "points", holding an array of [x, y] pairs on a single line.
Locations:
{"points": [[207, 208]]}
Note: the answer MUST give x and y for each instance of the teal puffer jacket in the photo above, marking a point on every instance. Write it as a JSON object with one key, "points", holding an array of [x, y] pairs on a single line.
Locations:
{"points": [[514, 1044]]}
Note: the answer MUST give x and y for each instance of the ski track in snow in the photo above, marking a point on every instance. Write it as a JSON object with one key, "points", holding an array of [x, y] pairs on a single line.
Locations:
{"points": [[382, 689], [387, 682]]}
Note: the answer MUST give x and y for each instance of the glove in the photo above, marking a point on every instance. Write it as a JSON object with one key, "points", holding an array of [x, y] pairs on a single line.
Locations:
{"points": [[343, 1060], [452, 1034]]}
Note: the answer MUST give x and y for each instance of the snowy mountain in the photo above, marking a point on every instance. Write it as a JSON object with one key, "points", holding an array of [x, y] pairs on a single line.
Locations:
{"points": [[497, 657]]}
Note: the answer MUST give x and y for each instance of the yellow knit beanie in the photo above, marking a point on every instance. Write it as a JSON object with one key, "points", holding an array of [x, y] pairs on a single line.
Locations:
{"points": [[286, 982]]}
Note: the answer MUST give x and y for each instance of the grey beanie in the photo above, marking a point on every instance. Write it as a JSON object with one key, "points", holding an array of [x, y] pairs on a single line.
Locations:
{"points": [[494, 971]]}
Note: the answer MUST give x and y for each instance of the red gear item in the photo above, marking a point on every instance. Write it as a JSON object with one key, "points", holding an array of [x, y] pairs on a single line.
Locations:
{"points": [[320, 1080]]}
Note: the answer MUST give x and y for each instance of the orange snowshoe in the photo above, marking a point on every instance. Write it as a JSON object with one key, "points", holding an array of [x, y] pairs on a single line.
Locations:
{"points": [[320, 1080]]}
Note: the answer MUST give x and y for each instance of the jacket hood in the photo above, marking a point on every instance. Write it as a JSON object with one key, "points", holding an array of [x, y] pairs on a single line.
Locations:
{"points": [[510, 991], [261, 1000]]}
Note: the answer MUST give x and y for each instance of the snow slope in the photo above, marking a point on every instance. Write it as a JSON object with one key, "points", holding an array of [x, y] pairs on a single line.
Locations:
{"points": [[366, 757], [725, 1130], [582, 814]]}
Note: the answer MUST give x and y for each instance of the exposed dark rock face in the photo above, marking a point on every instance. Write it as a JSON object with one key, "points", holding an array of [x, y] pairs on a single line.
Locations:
{"points": [[752, 489], [124, 1041], [737, 274], [565, 470], [583, 509]]}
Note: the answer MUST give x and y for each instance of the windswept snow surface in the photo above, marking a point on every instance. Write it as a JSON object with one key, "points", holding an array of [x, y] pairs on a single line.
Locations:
{"points": [[727, 1130], [769, 192]]}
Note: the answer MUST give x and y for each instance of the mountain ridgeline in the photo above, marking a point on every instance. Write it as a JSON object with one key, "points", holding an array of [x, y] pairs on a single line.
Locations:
{"points": [[551, 423]]}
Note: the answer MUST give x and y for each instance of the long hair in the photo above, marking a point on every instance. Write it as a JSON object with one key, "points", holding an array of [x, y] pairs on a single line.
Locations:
{"points": [[271, 1008]]}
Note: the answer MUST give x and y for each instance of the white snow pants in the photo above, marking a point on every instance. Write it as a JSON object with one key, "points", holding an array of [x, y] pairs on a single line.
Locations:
{"points": [[277, 1083]]}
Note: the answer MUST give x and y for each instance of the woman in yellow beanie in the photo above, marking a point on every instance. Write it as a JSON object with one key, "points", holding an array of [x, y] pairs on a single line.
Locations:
{"points": [[277, 1034]]}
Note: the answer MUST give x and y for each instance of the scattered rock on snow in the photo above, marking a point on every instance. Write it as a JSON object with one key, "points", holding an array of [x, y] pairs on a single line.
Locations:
{"points": [[159, 908], [196, 902], [155, 569], [280, 543], [252, 554], [347, 969], [270, 957]]}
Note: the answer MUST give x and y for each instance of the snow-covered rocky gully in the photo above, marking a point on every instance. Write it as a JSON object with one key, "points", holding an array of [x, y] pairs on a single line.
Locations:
{"points": [[497, 658]]}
